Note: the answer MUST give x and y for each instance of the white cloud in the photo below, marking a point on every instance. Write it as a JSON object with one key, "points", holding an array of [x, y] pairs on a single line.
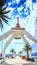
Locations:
{"points": [[11, 10], [29, 21], [13, 1], [28, 3], [17, 1], [20, 8], [28, 25], [35, 8], [9, 3]]}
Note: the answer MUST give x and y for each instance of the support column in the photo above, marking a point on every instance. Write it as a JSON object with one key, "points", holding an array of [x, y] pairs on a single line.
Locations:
{"points": [[5, 35], [30, 37], [23, 38], [6, 45]]}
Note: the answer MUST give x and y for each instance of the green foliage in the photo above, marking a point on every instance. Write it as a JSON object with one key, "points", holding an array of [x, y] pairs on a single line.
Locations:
{"points": [[27, 48], [20, 52], [12, 50], [30, 59], [3, 12]]}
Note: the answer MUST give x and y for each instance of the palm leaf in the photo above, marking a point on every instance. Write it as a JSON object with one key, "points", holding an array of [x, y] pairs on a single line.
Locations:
{"points": [[5, 12], [12, 50], [6, 21], [6, 17], [1, 25], [4, 8]]}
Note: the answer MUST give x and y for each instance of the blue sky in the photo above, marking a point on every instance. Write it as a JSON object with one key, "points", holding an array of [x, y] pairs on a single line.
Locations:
{"points": [[27, 12]]}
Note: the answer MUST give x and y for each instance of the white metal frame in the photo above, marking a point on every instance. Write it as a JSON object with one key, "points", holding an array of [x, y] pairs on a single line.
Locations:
{"points": [[28, 35]]}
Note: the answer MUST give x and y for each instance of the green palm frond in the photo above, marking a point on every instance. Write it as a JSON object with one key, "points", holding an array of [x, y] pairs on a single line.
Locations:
{"points": [[6, 17], [12, 50], [27, 47], [3, 9], [5, 20], [1, 25], [20, 52], [3, 13]]}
